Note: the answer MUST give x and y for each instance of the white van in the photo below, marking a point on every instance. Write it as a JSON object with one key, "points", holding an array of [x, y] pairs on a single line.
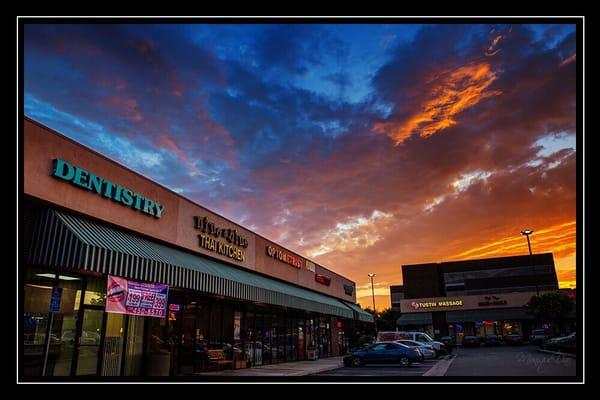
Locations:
{"points": [[421, 337]]}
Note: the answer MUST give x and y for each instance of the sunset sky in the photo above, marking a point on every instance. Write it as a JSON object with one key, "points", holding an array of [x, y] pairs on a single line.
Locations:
{"points": [[363, 147]]}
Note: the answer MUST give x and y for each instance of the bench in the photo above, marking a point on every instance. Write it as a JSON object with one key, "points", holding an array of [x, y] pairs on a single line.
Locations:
{"points": [[217, 358]]}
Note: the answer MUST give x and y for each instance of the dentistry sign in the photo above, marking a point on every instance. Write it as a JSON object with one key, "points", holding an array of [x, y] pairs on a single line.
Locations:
{"points": [[103, 187], [136, 298]]}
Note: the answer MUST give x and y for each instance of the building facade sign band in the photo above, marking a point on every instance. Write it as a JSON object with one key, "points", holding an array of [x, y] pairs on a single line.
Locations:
{"points": [[284, 257], [77, 176], [468, 302], [232, 246]]}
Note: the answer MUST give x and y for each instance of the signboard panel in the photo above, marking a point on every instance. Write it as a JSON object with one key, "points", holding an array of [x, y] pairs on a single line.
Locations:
{"points": [[473, 302], [55, 299], [136, 298]]}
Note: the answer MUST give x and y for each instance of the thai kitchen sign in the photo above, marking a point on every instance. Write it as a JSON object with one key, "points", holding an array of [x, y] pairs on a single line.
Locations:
{"points": [[103, 187], [136, 298], [224, 241], [285, 257]]}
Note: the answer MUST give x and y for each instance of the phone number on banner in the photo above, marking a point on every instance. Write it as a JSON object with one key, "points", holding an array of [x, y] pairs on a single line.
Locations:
{"points": [[146, 311]]}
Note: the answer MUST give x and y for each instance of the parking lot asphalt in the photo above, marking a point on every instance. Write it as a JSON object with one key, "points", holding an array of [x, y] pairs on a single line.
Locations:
{"points": [[501, 361], [416, 369], [506, 360]]}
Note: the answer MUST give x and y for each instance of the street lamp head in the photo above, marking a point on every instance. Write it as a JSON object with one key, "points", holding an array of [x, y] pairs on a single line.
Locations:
{"points": [[526, 232], [371, 275]]}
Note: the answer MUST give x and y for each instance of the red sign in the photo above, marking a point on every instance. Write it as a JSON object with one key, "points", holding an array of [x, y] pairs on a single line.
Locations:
{"points": [[174, 307], [339, 324], [322, 279]]}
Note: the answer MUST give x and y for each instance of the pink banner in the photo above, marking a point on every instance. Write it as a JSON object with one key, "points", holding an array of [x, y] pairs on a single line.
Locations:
{"points": [[136, 298]]}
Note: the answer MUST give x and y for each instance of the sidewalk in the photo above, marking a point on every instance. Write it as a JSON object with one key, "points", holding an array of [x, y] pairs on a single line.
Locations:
{"points": [[296, 368]]}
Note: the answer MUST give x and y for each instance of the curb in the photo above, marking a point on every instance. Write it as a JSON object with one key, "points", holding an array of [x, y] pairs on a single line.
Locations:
{"points": [[322, 369], [558, 353], [440, 368]]}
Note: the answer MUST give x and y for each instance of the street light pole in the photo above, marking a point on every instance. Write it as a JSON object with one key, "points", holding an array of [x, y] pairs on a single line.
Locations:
{"points": [[526, 233], [372, 290], [371, 275]]}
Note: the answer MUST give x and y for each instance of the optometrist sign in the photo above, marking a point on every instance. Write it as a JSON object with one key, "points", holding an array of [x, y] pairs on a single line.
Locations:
{"points": [[136, 298], [285, 257], [87, 180]]}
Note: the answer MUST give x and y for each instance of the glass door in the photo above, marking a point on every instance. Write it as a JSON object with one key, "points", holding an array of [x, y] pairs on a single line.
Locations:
{"points": [[112, 351], [88, 341]]}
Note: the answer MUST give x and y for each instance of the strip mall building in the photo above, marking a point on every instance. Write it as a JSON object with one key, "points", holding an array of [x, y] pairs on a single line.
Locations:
{"points": [[235, 299], [475, 297]]}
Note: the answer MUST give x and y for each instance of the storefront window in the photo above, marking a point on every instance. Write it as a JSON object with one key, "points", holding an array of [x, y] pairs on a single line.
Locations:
{"points": [[239, 353], [249, 337], [134, 347], [89, 344], [301, 340], [203, 318], [114, 337], [267, 348], [95, 292], [37, 291], [290, 339], [64, 326], [227, 326]]}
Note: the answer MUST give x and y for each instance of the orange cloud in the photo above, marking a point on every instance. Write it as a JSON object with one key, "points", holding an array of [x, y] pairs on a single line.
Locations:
{"points": [[568, 60], [452, 93], [559, 239], [567, 272]]}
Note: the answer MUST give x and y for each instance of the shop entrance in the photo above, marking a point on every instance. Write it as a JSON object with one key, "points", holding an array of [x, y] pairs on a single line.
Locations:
{"points": [[87, 341]]}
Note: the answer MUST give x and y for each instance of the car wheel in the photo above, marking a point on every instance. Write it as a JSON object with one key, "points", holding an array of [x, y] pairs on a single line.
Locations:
{"points": [[357, 362], [404, 361]]}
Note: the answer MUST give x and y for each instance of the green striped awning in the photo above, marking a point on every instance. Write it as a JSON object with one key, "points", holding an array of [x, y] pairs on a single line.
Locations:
{"points": [[361, 314], [63, 240]]}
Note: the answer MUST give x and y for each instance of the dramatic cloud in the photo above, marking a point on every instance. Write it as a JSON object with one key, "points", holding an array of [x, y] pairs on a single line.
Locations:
{"points": [[364, 147]]}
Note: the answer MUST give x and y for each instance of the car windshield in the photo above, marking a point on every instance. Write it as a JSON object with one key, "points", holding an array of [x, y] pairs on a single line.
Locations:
{"points": [[423, 337]]}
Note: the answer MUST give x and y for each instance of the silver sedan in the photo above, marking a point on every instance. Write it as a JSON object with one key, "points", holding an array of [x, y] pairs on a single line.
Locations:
{"points": [[427, 350]]}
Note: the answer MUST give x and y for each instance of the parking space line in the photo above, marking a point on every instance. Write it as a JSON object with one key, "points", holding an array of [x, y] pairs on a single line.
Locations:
{"points": [[440, 368]]}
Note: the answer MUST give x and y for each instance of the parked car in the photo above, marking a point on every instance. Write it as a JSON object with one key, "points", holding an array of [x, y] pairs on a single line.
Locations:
{"points": [[538, 336], [426, 350], [566, 344], [416, 336], [492, 340], [513, 338], [449, 342], [470, 341], [384, 353]]}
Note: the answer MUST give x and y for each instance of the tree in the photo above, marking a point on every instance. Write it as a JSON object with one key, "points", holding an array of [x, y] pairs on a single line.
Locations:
{"points": [[549, 307], [386, 320]]}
